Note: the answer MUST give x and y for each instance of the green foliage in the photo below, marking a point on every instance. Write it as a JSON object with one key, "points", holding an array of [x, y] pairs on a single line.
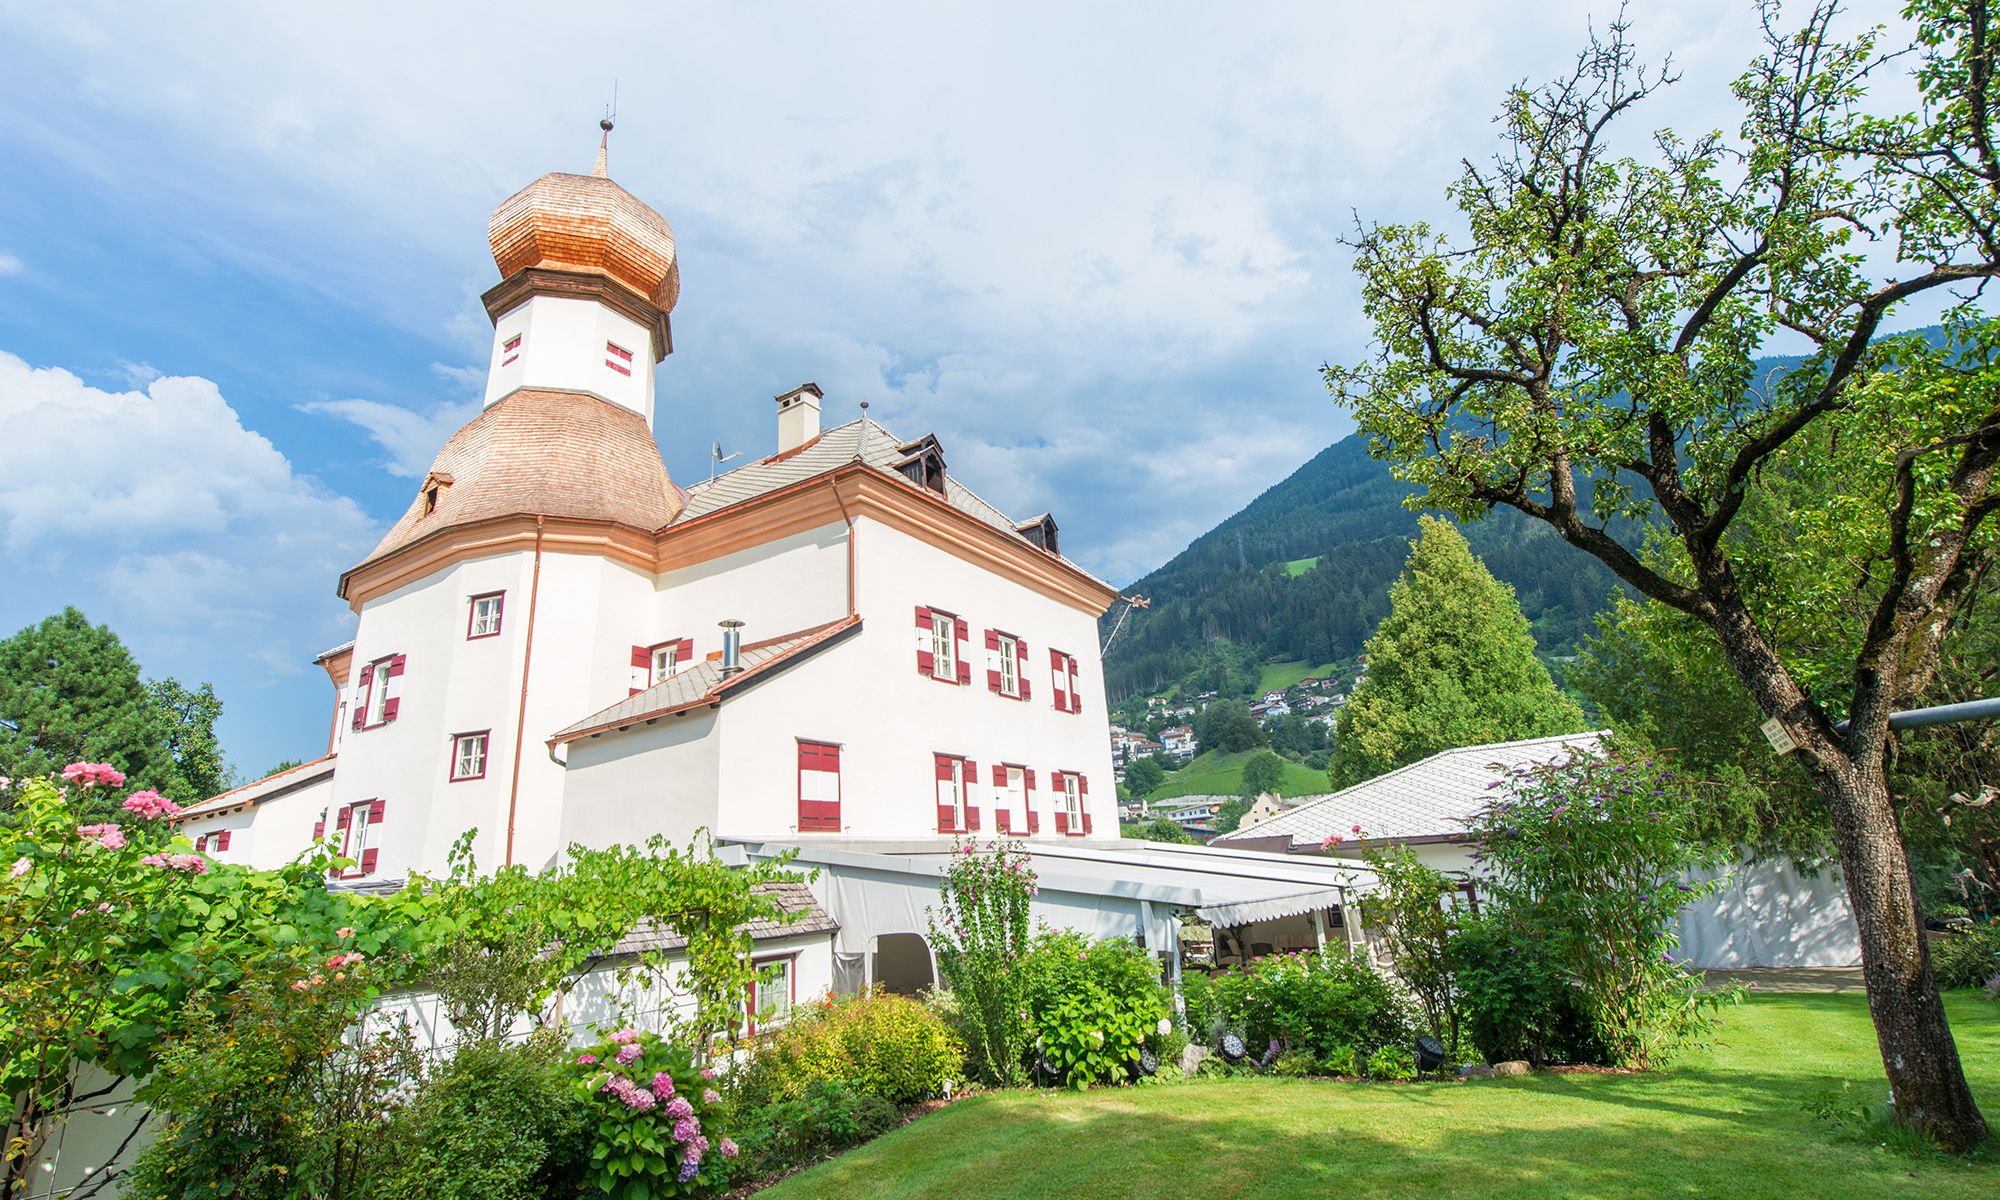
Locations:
{"points": [[1517, 1002], [1339, 1060], [1967, 958], [877, 1045], [1160, 829], [1295, 1064], [655, 1119], [266, 1095], [1143, 775], [1308, 1001], [1216, 774], [496, 1121], [1451, 665], [1229, 814], [827, 1118], [979, 931], [1226, 727], [1414, 906], [1589, 856], [1091, 1005], [1262, 773], [70, 691], [1392, 1063]]}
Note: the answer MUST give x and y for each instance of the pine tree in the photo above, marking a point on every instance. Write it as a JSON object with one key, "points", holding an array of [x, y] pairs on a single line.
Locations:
{"points": [[1453, 664]]}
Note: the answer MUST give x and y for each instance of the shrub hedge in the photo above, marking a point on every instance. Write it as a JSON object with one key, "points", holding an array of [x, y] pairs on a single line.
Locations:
{"points": [[878, 1044]]}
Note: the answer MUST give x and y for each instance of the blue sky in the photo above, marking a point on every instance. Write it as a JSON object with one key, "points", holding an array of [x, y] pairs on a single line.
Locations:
{"points": [[241, 248]]}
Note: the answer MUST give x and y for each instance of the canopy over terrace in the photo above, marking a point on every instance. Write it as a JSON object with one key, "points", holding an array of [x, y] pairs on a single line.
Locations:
{"points": [[881, 891]]}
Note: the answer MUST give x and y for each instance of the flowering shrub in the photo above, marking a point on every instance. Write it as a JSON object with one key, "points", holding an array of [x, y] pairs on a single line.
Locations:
{"points": [[1092, 1006], [657, 1119], [979, 930], [1591, 859], [878, 1045]]}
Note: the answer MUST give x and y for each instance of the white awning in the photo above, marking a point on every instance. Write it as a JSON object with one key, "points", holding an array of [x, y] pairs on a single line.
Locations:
{"points": [[1270, 908]]}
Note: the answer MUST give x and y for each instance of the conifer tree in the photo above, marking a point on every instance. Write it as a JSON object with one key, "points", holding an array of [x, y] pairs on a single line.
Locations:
{"points": [[1453, 664]]}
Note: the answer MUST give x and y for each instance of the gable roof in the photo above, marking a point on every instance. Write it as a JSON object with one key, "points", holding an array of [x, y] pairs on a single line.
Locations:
{"points": [[704, 683], [1433, 799], [276, 784]]}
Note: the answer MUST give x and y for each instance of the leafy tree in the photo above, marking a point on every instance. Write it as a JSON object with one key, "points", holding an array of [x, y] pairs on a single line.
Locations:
{"points": [[1226, 727], [70, 692], [1159, 829], [1587, 357], [1144, 776], [283, 764], [1451, 665], [189, 718], [1262, 772], [1229, 814]]}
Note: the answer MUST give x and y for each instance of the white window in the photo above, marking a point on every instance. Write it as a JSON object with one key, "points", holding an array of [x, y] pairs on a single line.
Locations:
{"points": [[771, 993], [1010, 680], [485, 619], [468, 756], [944, 663], [665, 659], [354, 838], [1072, 801], [951, 783], [378, 692]]}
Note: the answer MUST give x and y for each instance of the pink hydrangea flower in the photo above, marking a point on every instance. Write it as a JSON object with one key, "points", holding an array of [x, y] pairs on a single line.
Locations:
{"points": [[728, 1147], [684, 1129], [584, 1060], [710, 1096], [679, 1108], [640, 1099], [347, 932], [708, 1072], [663, 1085], [628, 1052], [625, 1035]]}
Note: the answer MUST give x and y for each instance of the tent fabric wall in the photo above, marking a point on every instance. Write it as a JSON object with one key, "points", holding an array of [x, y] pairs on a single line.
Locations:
{"points": [[1772, 913]]}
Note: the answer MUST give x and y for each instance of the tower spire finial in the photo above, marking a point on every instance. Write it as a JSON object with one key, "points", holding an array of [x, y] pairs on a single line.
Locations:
{"points": [[604, 142]]}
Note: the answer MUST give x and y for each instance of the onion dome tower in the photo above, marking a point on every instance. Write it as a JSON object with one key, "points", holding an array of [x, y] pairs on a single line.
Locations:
{"points": [[588, 281]]}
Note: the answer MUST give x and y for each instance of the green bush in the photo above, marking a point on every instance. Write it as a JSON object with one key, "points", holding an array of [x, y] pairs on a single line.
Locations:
{"points": [[1968, 958], [497, 1123], [1295, 1064], [655, 1119], [1339, 1060], [1394, 1062], [1516, 1002], [879, 1044], [1092, 1005], [825, 1119], [1306, 1001]]}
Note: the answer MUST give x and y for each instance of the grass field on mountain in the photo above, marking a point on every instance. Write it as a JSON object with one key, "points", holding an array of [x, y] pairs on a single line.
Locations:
{"points": [[1279, 676], [1214, 774], [1725, 1121], [1299, 566]]}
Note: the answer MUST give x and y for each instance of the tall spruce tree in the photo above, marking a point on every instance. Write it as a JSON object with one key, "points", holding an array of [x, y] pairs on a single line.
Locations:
{"points": [[1453, 664]]}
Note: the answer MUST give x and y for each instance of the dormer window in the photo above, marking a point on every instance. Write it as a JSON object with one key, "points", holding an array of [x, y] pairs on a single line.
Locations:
{"points": [[433, 490], [1041, 531], [922, 463]]}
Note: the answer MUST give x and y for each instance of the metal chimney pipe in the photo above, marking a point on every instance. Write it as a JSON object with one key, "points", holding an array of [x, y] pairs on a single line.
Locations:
{"points": [[732, 647]]}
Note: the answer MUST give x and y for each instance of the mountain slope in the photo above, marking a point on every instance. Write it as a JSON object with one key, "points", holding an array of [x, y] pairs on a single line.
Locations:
{"points": [[1345, 510]]}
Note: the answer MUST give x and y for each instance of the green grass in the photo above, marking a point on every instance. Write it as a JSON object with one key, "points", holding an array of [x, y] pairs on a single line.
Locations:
{"points": [[1726, 1121], [1299, 566], [1279, 676], [1214, 774]]}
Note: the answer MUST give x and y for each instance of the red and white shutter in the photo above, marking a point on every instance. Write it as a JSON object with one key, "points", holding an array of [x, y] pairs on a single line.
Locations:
{"points": [[394, 688], [1062, 809], [971, 777], [946, 818], [926, 662], [368, 854], [642, 670], [1021, 667], [319, 829], [1057, 674], [1075, 697], [683, 653], [363, 693], [222, 840], [961, 636], [819, 787], [1083, 802], [993, 660]]}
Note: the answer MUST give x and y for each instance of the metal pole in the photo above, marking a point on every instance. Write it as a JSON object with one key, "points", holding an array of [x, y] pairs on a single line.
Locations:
{"points": [[1319, 928], [1986, 709]]}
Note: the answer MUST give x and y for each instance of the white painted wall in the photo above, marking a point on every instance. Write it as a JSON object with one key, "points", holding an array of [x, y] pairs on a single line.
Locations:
{"points": [[270, 833], [623, 788], [563, 346]]}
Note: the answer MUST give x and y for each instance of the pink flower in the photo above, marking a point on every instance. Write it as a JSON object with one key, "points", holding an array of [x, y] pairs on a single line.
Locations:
{"points": [[90, 774], [663, 1085], [625, 1035], [680, 1109], [193, 864], [21, 867], [584, 1060], [728, 1147], [684, 1129], [104, 906], [348, 932], [1357, 829], [300, 985], [109, 836], [628, 1052], [150, 804], [708, 1072], [710, 1096], [640, 1099]]}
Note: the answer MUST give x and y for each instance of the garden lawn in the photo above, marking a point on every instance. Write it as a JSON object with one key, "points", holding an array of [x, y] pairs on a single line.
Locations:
{"points": [[1725, 1122], [1214, 774]]}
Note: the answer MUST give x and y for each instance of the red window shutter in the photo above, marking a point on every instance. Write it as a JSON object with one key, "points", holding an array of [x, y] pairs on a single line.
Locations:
{"points": [[642, 657], [346, 816], [1021, 667], [201, 843], [375, 808], [999, 776], [1001, 819], [1086, 823], [222, 840], [1062, 821], [972, 818], [390, 707], [368, 860], [319, 830], [1075, 701], [961, 635], [684, 652], [361, 713], [925, 662], [993, 660], [945, 816], [396, 665], [1029, 775], [1034, 821]]}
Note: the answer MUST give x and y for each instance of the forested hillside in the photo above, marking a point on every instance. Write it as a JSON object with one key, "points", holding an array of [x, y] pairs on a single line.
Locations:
{"points": [[1346, 511]]}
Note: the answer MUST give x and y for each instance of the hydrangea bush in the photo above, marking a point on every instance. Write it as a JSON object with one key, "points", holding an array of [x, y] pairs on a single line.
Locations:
{"points": [[657, 1118], [1093, 1007]]}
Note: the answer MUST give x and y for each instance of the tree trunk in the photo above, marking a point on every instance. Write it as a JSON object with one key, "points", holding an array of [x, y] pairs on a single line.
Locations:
{"points": [[1927, 1084]]}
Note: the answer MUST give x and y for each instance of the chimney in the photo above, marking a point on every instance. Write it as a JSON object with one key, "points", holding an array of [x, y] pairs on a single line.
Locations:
{"points": [[798, 416], [732, 642]]}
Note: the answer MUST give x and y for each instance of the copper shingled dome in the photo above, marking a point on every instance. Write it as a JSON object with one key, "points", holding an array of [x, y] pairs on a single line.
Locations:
{"points": [[587, 223]]}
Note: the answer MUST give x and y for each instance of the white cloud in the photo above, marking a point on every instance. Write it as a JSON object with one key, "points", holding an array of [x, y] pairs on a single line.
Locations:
{"points": [[158, 513], [410, 438], [10, 264]]}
